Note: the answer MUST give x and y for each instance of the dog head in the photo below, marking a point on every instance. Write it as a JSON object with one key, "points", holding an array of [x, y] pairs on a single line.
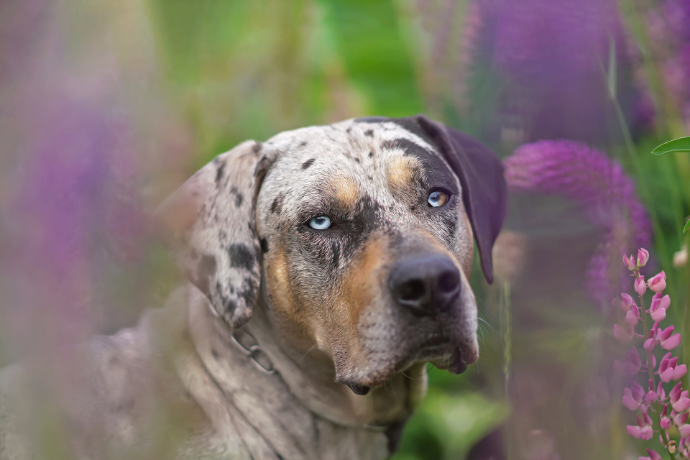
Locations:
{"points": [[358, 235]]}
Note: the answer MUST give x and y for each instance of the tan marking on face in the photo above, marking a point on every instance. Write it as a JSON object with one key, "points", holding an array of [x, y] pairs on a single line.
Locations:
{"points": [[345, 190], [401, 171], [278, 278], [363, 278]]}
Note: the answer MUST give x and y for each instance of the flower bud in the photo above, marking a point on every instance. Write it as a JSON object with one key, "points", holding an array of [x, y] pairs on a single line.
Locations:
{"points": [[629, 263], [657, 283], [642, 257], [653, 455]]}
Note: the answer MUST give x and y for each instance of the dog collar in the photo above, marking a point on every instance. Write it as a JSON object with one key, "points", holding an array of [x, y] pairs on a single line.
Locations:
{"points": [[246, 344], [249, 347]]}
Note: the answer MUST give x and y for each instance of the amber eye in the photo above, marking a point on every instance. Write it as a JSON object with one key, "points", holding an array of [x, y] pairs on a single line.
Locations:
{"points": [[437, 198]]}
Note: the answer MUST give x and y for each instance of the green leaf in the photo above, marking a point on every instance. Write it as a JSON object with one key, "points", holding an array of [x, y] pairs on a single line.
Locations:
{"points": [[687, 226], [676, 145]]}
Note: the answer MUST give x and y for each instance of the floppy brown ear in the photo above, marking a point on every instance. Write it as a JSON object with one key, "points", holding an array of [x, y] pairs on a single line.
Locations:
{"points": [[483, 184], [209, 226]]}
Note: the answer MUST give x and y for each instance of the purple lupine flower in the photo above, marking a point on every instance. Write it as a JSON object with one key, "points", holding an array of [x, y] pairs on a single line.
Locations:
{"points": [[71, 213], [669, 34], [550, 57], [600, 186]]}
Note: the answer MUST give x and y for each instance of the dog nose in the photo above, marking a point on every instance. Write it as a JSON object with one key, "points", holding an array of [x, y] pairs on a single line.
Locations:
{"points": [[425, 285]]}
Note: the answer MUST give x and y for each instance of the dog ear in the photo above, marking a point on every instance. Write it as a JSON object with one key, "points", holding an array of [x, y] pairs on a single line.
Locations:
{"points": [[209, 226], [483, 184]]}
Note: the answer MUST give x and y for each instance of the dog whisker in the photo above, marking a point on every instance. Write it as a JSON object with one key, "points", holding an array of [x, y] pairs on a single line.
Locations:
{"points": [[304, 355]]}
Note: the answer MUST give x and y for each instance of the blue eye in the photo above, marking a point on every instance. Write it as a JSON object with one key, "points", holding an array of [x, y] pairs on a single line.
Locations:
{"points": [[438, 198], [320, 223]]}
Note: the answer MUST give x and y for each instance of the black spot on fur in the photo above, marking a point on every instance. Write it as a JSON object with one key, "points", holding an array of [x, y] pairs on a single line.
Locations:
{"points": [[238, 200], [241, 256], [336, 254], [277, 204], [371, 154], [303, 144], [264, 245], [348, 130], [308, 163], [219, 173], [249, 293], [357, 160], [410, 148], [229, 305], [369, 133]]}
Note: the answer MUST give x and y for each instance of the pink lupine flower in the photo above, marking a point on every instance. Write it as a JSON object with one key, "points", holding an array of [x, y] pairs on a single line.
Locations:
{"points": [[629, 263], [665, 422], [640, 286], [631, 365], [679, 400], [625, 303], [660, 392], [656, 283], [632, 316], [645, 433], [669, 370], [652, 455], [659, 306], [671, 343], [632, 397], [668, 340], [680, 419], [623, 334], [651, 395]]}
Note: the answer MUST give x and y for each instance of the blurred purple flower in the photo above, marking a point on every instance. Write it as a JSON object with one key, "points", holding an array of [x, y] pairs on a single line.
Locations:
{"points": [[600, 186], [670, 44], [72, 213], [550, 57]]}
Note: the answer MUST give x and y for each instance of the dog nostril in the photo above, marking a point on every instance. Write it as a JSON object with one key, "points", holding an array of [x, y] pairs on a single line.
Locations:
{"points": [[412, 290], [448, 281]]}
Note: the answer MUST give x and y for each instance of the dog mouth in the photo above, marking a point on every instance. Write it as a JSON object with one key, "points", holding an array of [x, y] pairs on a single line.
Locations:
{"points": [[441, 351], [437, 348]]}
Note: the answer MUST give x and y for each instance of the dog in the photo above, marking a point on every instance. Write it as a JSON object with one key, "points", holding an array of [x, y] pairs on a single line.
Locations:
{"points": [[327, 266]]}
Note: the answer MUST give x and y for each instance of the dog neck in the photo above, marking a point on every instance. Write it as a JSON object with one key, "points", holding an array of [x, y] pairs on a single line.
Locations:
{"points": [[311, 377], [308, 378]]}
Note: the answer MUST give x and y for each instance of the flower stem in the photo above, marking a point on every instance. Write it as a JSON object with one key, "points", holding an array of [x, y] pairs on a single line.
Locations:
{"points": [[650, 366], [672, 456]]}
